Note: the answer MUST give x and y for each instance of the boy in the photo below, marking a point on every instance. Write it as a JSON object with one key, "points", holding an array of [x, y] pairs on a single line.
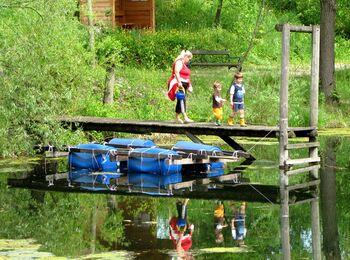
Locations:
{"points": [[237, 92], [238, 228]]}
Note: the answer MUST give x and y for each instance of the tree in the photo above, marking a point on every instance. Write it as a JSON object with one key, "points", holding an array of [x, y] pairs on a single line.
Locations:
{"points": [[108, 52], [218, 14], [328, 200], [327, 34]]}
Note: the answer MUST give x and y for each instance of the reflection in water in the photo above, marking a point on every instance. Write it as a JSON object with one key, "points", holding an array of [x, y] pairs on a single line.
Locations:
{"points": [[238, 228], [137, 227], [219, 222], [328, 200], [103, 223], [181, 230]]}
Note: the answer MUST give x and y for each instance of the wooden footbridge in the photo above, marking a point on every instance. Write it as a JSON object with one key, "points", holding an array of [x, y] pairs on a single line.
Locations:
{"points": [[147, 127], [192, 130]]}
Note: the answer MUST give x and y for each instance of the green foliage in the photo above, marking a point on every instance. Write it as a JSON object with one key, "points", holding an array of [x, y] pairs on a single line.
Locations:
{"points": [[308, 12], [108, 50], [43, 70]]}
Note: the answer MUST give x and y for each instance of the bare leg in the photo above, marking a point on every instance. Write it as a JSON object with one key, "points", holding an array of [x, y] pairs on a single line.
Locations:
{"points": [[242, 208], [178, 119]]}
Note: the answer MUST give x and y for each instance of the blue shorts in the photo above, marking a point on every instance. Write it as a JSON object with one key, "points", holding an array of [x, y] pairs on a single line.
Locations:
{"points": [[237, 106]]}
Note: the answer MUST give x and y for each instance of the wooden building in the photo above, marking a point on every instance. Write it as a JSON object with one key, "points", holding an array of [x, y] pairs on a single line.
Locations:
{"points": [[124, 13]]}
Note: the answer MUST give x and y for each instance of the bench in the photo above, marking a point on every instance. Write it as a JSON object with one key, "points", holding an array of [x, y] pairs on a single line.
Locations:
{"points": [[225, 60]]}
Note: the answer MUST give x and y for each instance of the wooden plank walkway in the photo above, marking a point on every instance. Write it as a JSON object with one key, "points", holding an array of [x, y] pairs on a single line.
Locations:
{"points": [[147, 127]]}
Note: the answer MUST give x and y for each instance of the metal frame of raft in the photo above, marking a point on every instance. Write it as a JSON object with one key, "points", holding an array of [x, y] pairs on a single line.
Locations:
{"points": [[184, 156]]}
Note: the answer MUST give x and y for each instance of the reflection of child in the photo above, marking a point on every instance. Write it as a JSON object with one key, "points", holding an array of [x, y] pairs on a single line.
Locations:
{"points": [[217, 103], [238, 228], [237, 92], [219, 222]]}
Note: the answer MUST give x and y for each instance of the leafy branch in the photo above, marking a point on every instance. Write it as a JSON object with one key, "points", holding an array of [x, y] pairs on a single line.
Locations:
{"points": [[20, 5]]}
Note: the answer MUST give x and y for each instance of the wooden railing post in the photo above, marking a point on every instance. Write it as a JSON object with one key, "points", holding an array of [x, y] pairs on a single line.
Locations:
{"points": [[313, 151], [283, 142], [313, 160]]}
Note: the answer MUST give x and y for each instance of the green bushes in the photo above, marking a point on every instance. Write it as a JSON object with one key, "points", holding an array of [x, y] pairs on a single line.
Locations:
{"points": [[45, 68], [159, 49]]}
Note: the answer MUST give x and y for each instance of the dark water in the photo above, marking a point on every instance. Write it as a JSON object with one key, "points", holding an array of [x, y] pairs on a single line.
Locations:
{"points": [[38, 223]]}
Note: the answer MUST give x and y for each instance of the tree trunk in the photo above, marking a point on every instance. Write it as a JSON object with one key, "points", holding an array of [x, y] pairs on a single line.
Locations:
{"points": [[109, 86], [91, 32], [218, 14], [328, 201], [327, 34]]}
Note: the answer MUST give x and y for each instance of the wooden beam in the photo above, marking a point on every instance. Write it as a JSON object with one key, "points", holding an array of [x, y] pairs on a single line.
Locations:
{"points": [[303, 185], [291, 162], [304, 201], [294, 28], [302, 145], [301, 170]]}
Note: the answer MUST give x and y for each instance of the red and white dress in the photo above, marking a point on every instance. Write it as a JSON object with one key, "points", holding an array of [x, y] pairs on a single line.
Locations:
{"points": [[185, 74], [186, 241]]}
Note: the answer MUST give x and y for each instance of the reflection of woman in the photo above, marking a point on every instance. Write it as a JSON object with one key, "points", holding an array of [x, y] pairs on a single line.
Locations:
{"points": [[179, 83], [179, 229]]}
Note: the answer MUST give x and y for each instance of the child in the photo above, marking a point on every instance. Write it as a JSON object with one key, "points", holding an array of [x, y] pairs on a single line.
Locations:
{"points": [[238, 228], [237, 92], [217, 103], [219, 222]]}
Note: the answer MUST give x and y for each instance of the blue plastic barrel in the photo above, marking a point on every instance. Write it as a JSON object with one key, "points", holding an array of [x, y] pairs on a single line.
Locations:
{"points": [[199, 167], [132, 142], [91, 161], [148, 180], [152, 165], [195, 146]]}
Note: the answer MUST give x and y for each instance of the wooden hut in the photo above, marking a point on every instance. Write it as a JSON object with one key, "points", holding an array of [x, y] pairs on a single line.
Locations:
{"points": [[124, 13]]}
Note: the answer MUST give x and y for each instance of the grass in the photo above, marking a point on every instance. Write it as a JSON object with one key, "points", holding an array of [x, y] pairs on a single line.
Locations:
{"points": [[142, 94]]}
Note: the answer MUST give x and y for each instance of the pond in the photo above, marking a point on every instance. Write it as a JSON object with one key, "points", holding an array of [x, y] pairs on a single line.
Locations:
{"points": [[37, 223]]}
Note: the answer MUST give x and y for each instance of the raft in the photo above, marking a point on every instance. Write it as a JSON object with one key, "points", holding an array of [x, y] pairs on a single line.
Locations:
{"points": [[142, 162], [92, 161]]}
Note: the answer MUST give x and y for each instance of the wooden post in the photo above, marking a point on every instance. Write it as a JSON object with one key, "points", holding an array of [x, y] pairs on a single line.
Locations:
{"points": [[314, 76], [283, 142], [313, 151], [112, 4]]}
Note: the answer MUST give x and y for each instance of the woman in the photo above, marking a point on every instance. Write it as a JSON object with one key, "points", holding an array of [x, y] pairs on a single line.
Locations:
{"points": [[178, 85]]}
